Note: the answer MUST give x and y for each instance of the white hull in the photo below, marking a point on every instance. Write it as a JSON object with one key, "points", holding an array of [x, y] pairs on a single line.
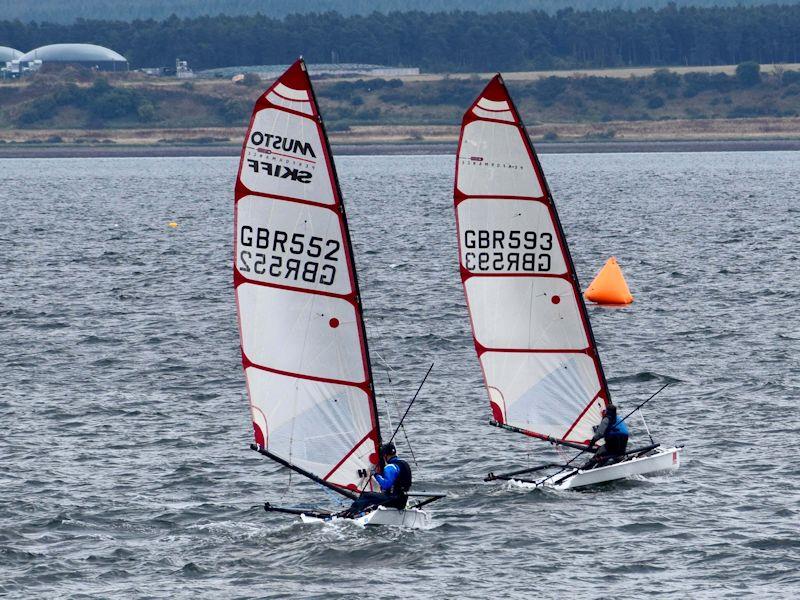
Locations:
{"points": [[659, 462], [410, 518]]}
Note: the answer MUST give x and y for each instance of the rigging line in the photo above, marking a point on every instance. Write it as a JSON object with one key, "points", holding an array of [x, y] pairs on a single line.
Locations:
{"points": [[392, 392], [646, 428], [410, 404], [663, 387], [405, 414], [393, 398], [388, 412]]}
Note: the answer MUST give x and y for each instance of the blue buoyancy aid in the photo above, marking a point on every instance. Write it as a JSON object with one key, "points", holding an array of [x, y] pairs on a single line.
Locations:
{"points": [[618, 428]]}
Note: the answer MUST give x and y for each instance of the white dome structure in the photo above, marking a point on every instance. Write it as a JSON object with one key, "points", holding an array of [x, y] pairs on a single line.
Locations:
{"points": [[87, 55], [7, 54]]}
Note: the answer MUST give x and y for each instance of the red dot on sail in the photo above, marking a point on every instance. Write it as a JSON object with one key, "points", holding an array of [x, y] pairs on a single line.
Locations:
{"points": [[555, 299], [373, 458], [334, 322]]}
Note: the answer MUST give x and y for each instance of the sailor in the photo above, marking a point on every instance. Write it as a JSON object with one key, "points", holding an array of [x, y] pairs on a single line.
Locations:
{"points": [[395, 482], [614, 432]]}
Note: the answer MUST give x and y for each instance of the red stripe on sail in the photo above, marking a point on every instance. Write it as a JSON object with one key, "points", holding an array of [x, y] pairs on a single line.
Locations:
{"points": [[239, 279], [580, 416], [348, 455], [463, 197], [467, 274], [291, 111], [279, 95], [247, 363], [248, 192]]}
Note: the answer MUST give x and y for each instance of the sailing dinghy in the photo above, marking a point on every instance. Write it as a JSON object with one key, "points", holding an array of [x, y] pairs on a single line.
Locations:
{"points": [[303, 340], [529, 322]]}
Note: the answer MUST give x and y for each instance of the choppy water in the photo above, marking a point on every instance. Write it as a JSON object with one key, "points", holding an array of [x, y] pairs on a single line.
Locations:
{"points": [[125, 468]]}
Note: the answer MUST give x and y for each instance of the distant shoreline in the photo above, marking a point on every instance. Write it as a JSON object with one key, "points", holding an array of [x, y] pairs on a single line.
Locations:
{"points": [[392, 148]]}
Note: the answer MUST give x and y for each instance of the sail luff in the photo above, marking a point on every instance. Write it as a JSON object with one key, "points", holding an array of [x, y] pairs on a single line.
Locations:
{"points": [[300, 318]]}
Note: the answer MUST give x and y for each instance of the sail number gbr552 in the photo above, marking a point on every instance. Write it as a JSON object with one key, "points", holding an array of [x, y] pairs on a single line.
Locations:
{"points": [[293, 257], [507, 251]]}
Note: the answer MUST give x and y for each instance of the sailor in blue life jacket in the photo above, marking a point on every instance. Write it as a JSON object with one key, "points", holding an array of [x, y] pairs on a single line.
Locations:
{"points": [[614, 432], [395, 482]]}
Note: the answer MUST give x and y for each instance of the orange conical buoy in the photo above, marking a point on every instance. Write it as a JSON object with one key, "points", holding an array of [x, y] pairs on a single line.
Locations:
{"points": [[609, 287]]}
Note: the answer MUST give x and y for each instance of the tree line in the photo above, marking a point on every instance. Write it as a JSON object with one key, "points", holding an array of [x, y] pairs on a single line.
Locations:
{"points": [[66, 11], [454, 41]]}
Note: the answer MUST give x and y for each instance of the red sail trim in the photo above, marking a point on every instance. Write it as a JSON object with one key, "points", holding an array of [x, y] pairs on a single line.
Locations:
{"points": [[247, 363], [473, 117], [464, 196], [467, 274], [291, 111], [249, 192], [348, 455], [580, 416], [239, 279], [279, 95], [537, 350], [496, 110]]}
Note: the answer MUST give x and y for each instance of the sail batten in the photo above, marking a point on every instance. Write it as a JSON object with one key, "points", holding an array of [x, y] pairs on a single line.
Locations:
{"points": [[530, 326], [303, 340]]}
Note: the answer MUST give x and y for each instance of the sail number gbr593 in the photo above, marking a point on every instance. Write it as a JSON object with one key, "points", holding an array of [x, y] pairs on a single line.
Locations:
{"points": [[290, 257], [507, 251]]}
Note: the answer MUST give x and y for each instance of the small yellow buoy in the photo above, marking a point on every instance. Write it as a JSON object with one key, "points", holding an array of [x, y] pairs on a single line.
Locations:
{"points": [[172, 224], [609, 287]]}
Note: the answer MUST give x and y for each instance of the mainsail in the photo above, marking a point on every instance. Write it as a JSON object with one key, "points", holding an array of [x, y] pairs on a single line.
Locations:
{"points": [[529, 322], [303, 342]]}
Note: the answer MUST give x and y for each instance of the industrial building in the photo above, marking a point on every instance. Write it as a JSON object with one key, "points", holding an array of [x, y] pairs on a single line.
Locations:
{"points": [[84, 55], [7, 54]]}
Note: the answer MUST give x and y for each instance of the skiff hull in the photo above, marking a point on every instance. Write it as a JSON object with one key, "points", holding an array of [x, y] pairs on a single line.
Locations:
{"points": [[659, 462], [410, 518]]}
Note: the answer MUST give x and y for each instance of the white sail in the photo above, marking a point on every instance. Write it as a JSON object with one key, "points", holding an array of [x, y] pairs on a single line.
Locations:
{"points": [[302, 334], [530, 326]]}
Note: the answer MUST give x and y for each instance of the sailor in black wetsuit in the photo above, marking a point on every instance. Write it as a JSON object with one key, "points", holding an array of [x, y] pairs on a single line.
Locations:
{"points": [[395, 481], [615, 435]]}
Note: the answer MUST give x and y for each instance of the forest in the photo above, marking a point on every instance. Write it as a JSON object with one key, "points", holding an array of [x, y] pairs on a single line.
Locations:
{"points": [[66, 11], [446, 42]]}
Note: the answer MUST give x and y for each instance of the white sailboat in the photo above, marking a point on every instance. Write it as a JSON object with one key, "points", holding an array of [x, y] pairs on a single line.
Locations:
{"points": [[530, 325], [303, 340]]}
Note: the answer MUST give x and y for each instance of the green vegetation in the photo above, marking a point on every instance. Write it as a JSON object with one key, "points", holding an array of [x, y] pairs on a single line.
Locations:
{"points": [[50, 102], [66, 11], [447, 42]]}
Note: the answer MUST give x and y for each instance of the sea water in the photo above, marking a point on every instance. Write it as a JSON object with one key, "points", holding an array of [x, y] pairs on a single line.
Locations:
{"points": [[125, 428]]}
